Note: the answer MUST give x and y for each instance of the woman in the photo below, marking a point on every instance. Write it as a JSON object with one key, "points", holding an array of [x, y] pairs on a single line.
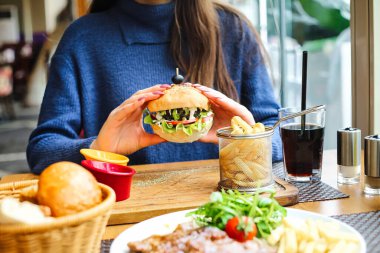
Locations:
{"points": [[102, 73]]}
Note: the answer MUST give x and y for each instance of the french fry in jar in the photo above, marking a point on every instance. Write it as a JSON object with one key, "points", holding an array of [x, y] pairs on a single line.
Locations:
{"points": [[246, 162]]}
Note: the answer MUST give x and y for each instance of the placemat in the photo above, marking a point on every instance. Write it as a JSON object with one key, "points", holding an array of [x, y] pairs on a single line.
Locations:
{"points": [[315, 191], [367, 224], [106, 246]]}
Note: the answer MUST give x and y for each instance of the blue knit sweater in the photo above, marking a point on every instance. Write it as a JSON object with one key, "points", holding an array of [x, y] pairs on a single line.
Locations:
{"points": [[104, 58]]}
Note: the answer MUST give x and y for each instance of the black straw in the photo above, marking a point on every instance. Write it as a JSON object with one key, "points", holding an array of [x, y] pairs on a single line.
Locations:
{"points": [[304, 86]]}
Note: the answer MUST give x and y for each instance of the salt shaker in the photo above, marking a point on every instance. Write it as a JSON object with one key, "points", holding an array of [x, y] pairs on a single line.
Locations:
{"points": [[349, 155], [372, 164]]}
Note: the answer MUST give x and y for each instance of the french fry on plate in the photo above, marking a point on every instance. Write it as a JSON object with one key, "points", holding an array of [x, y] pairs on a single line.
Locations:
{"points": [[312, 236]]}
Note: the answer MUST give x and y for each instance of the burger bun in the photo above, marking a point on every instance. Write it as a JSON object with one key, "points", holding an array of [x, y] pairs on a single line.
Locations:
{"points": [[179, 96]]}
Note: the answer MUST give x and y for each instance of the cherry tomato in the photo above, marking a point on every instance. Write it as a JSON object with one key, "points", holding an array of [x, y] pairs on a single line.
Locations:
{"points": [[241, 229]]}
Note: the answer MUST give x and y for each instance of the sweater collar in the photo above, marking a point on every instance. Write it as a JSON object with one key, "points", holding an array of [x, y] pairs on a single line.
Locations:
{"points": [[146, 24]]}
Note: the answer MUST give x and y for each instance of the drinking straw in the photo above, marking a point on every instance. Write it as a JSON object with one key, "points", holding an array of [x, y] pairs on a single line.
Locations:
{"points": [[304, 85]]}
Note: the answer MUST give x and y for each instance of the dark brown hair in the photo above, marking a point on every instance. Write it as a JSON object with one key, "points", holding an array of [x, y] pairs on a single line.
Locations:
{"points": [[196, 41]]}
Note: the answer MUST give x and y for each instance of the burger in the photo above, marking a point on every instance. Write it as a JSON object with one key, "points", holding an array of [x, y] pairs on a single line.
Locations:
{"points": [[181, 115]]}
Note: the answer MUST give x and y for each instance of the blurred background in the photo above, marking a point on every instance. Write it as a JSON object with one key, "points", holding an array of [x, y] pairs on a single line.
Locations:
{"points": [[31, 29]]}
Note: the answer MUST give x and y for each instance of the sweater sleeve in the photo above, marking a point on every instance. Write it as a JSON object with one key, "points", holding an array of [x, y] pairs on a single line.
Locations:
{"points": [[56, 137], [256, 89]]}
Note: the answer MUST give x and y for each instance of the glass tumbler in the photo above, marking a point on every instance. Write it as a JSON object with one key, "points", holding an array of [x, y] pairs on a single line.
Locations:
{"points": [[302, 139]]}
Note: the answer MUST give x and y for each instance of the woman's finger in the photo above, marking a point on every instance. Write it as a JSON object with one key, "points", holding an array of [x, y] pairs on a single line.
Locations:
{"points": [[139, 102], [220, 100], [146, 96], [158, 87], [124, 110], [210, 93], [150, 139], [213, 103], [230, 105], [236, 109]]}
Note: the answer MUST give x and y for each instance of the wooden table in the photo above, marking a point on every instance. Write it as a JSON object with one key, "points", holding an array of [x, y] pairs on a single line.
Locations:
{"points": [[356, 203]]}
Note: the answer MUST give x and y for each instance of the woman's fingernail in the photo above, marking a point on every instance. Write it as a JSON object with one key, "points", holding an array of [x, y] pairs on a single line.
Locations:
{"points": [[158, 93], [165, 86], [197, 85], [142, 98]]}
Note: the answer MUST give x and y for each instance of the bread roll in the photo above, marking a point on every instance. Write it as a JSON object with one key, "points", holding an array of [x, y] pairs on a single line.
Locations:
{"points": [[12, 211], [67, 188]]}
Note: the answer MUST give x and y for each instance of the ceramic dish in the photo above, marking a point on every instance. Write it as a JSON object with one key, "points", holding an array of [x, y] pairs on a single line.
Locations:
{"points": [[102, 156], [165, 224]]}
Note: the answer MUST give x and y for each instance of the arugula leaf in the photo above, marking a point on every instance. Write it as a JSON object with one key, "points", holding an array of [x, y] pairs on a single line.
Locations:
{"points": [[266, 212]]}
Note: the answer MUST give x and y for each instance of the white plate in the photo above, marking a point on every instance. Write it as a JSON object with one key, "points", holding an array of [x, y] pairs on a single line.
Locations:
{"points": [[165, 224]]}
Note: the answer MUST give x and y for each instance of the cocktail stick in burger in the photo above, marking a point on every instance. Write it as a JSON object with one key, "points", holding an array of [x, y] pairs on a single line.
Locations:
{"points": [[182, 114]]}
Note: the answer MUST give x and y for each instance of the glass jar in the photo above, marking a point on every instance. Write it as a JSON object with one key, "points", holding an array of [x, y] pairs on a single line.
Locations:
{"points": [[245, 160]]}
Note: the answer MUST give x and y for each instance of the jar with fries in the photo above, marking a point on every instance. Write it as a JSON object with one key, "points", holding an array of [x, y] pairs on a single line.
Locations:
{"points": [[245, 156]]}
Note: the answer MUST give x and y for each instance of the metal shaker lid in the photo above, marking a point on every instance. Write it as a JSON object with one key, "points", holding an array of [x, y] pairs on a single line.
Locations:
{"points": [[372, 155], [349, 146]]}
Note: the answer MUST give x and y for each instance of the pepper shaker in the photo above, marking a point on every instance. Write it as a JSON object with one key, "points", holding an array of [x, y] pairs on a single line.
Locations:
{"points": [[349, 155], [372, 164]]}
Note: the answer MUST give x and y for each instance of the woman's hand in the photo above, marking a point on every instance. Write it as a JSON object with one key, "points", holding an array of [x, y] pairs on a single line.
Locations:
{"points": [[123, 131], [224, 109]]}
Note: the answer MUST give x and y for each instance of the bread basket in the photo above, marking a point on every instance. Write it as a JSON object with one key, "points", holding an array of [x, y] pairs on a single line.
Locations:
{"points": [[81, 232]]}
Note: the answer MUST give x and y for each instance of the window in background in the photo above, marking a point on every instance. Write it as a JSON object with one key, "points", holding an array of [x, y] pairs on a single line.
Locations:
{"points": [[321, 27], [376, 43]]}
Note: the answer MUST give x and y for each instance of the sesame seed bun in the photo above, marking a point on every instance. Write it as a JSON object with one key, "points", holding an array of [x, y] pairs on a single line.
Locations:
{"points": [[179, 96]]}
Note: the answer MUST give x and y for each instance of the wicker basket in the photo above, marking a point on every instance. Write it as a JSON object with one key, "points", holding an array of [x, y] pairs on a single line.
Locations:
{"points": [[81, 232]]}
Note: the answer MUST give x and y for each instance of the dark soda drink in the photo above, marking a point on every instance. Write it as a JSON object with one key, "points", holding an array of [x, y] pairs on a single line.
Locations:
{"points": [[302, 149]]}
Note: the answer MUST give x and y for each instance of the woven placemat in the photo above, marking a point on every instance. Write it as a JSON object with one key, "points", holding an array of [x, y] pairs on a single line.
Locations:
{"points": [[106, 246], [315, 191], [367, 224]]}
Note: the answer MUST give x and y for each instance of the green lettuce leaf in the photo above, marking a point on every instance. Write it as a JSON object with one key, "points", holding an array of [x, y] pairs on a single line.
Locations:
{"points": [[187, 129], [175, 114], [168, 128], [148, 119]]}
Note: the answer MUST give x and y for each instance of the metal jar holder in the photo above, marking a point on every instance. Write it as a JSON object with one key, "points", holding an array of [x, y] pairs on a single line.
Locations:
{"points": [[246, 160]]}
